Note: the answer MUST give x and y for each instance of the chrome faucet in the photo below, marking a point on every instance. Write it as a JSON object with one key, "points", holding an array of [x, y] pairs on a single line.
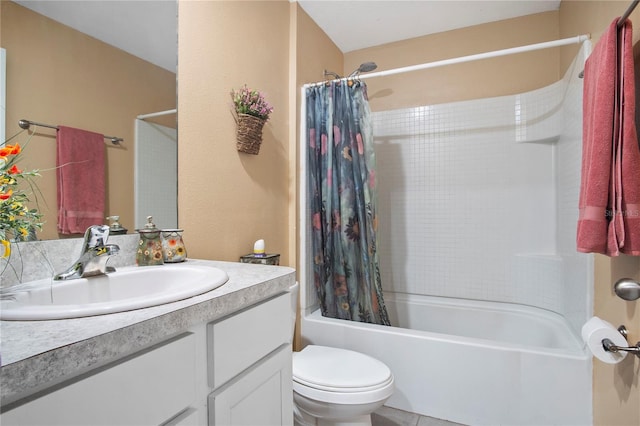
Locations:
{"points": [[94, 256]]}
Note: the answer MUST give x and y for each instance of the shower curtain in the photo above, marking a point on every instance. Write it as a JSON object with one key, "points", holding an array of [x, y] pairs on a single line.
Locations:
{"points": [[343, 202]]}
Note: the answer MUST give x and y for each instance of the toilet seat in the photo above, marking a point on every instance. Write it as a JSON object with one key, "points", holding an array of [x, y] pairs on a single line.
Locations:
{"points": [[340, 376]]}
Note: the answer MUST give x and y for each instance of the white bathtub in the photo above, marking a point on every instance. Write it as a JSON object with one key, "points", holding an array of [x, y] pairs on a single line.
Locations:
{"points": [[476, 363]]}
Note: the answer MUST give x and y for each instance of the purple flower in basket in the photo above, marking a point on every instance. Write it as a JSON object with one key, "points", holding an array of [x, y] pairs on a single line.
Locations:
{"points": [[252, 102]]}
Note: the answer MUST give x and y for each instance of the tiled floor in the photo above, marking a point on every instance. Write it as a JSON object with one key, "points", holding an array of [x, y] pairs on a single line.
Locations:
{"points": [[386, 416]]}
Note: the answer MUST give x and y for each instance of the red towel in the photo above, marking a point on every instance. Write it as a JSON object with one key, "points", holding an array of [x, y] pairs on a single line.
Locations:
{"points": [[609, 218], [81, 179], [627, 164], [598, 109]]}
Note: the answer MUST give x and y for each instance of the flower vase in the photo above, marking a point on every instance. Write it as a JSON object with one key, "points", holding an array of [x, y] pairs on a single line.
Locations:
{"points": [[149, 249], [249, 133], [173, 246]]}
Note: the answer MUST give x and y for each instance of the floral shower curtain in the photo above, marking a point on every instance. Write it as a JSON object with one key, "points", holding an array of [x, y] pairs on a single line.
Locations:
{"points": [[343, 202]]}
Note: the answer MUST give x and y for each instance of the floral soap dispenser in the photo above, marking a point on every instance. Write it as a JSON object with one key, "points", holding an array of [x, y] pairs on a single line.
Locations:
{"points": [[150, 245]]}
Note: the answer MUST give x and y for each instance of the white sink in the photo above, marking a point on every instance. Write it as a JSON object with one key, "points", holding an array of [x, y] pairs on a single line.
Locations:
{"points": [[124, 290]]}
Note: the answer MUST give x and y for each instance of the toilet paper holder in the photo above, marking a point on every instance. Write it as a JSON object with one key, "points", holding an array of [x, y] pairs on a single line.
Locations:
{"points": [[609, 346]]}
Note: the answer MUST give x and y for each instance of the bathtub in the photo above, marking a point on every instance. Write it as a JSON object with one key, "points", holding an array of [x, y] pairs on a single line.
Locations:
{"points": [[472, 362]]}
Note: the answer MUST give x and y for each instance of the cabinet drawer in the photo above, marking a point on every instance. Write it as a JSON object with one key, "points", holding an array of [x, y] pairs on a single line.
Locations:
{"points": [[145, 389], [237, 342]]}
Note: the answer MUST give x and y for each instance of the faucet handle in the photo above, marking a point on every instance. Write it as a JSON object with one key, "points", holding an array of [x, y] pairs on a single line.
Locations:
{"points": [[94, 256], [96, 235]]}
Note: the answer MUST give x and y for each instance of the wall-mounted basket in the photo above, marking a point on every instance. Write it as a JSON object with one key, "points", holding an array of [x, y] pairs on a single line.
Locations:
{"points": [[249, 133]]}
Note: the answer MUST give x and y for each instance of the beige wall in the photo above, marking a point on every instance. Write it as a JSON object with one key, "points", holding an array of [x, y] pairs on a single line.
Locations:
{"points": [[477, 79], [227, 199], [56, 75], [616, 388], [315, 51]]}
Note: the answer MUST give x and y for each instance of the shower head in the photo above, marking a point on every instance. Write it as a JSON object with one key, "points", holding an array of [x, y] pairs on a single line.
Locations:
{"points": [[332, 74], [364, 67]]}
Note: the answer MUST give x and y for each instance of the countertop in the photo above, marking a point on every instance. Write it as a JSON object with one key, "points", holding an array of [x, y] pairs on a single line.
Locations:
{"points": [[38, 354]]}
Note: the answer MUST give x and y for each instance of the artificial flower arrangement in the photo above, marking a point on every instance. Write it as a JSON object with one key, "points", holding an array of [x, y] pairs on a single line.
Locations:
{"points": [[16, 219], [252, 102], [252, 111]]}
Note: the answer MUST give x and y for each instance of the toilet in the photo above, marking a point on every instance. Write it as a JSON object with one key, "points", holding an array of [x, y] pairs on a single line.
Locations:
{"points": [[333, 386]]}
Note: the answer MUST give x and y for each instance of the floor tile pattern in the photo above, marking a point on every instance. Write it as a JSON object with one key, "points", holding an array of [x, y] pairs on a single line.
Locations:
{"points": [[386, 416]]}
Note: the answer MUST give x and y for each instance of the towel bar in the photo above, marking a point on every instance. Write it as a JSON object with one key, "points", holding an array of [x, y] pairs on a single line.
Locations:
{"points": [[25, 124], [621, 21]]}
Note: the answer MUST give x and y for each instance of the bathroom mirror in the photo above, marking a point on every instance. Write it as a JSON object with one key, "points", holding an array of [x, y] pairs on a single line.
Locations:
{"points": [[95, 65]]}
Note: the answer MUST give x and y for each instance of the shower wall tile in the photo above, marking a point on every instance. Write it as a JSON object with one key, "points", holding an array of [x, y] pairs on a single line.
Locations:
{"points": [[478, 199], [456, 193], [577, 267], [536, 279]]}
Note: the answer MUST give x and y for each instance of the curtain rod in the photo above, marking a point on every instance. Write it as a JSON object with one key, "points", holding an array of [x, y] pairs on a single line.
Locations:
{"points": [[626, 14], [461, 59], [157, 114], [25, 124]]}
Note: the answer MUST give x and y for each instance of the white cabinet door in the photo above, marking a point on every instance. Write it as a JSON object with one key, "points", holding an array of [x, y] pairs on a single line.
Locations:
{"points": [[146, 389], [262, 395]]}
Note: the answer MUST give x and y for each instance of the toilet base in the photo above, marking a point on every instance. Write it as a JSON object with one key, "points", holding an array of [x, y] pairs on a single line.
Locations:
{"points": [[308, 412]]}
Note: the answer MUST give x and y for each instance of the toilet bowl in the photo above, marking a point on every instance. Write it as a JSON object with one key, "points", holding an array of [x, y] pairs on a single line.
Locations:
{"points": [[333, 386]]}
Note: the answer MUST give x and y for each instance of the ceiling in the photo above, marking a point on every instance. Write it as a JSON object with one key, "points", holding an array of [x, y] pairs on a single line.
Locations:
{"points": [[148, 29]]}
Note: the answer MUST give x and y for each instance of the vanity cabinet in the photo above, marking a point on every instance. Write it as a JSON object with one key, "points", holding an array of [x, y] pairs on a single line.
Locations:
{"points": [[250, 366], [148, 388], [232, 371]]}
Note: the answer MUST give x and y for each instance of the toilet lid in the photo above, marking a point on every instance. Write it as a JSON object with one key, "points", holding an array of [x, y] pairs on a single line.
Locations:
{"points": [[337, 369]]}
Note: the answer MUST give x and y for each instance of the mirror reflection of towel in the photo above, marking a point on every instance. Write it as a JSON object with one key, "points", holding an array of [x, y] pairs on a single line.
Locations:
{"points": [[81, 179]]}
